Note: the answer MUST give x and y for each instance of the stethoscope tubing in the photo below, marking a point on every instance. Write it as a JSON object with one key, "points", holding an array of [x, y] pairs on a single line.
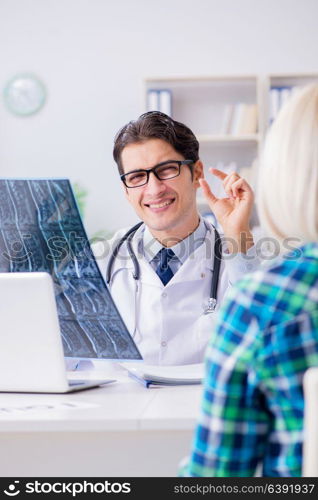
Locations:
{"points": [[217, 258]]}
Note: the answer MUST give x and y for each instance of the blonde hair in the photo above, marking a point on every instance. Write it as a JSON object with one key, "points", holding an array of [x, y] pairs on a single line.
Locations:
{"points": [[288, 177]]}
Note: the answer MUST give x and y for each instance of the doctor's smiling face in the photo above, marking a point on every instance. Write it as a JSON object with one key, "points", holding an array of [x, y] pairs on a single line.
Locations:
{"points": [[167, 202], [167, 207]]}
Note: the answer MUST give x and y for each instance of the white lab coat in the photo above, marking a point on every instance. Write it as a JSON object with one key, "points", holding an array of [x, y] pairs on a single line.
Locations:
{"points": [[168, 322]]}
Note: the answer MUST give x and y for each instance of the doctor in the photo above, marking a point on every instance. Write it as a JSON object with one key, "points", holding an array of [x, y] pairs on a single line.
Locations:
{"points": [[167, 309]]}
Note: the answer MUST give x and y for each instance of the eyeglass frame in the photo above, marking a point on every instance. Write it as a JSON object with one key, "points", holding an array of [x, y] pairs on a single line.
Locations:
{"points": [[153, 170]]}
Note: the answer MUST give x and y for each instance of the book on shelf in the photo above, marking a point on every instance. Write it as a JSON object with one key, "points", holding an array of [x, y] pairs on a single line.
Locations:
{"points": [[152, 100], [165, 101], [243, 119], [226, 119], [165, 375], [278, 96], [159, 100], [274, 104], [285, 94], [249, 122], [238, 118]]}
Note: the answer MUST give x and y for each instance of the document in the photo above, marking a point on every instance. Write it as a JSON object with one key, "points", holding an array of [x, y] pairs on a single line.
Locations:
{"points": [[152, 375]]}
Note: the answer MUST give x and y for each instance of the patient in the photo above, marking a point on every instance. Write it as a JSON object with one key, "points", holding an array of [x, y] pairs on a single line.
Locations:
{"points": [[267, 332]]}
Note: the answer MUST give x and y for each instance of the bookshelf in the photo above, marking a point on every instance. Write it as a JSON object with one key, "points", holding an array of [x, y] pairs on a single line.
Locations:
{"points": [[228, 114], [279, 87], [215, 108]]}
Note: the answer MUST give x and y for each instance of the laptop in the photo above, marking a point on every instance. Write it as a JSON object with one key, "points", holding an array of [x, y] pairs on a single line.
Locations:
{"points": [[31, 349]]}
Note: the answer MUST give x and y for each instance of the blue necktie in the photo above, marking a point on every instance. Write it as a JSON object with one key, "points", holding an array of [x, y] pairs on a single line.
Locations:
{"points": [[163, 270]]}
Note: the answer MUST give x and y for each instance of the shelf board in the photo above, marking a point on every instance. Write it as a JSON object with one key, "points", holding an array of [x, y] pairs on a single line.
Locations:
{"points": [[228, 138], [196, 79], [282, 76]]}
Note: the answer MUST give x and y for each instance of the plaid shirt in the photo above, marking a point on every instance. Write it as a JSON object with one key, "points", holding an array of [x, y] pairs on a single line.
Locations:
{"points": [[265, 339]]}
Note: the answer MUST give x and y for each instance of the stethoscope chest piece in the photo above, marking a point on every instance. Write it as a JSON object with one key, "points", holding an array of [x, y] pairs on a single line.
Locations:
{"points": [[211, 306]]}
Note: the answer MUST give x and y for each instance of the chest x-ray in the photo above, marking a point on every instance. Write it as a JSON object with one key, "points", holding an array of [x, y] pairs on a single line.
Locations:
{"points": [[41, 230]]}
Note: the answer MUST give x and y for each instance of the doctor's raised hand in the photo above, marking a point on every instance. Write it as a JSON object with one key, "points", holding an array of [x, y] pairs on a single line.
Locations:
{"points": [[233, 212]]}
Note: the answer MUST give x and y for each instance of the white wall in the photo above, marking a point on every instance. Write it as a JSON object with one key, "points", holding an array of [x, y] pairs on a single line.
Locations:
{"points": [[93, 56]]}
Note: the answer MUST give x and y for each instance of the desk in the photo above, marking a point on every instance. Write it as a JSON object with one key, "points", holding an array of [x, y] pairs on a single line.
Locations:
{"points": [[122, 430]]}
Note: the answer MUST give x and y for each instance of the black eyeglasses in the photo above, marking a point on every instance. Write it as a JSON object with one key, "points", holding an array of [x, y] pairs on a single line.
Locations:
{"points": [[163, 171]]}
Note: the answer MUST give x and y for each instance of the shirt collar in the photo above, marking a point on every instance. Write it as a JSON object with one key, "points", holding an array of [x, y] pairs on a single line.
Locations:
{"points": [[182, 250]]}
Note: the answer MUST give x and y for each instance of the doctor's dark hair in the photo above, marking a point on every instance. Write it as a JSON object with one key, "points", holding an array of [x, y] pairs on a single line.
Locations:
{"points": [[156, 125]]}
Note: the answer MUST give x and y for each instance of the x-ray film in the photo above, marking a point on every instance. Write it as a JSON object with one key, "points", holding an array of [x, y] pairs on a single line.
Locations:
{"points": [[41, 230]]}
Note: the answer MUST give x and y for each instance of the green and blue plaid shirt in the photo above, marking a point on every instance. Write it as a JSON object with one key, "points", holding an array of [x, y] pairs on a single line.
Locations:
{"points": [[266, 337]]}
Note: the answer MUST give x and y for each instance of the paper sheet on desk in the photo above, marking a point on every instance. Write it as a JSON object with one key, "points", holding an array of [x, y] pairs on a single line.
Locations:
{"points": [[166, 375], [35, 406]]}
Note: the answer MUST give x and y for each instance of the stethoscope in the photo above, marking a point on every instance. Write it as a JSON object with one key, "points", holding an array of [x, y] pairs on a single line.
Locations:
{"points": [[136, 272]]}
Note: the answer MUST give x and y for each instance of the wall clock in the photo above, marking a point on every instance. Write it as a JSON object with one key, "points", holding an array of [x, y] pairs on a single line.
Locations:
{"points": [[24, 94]]}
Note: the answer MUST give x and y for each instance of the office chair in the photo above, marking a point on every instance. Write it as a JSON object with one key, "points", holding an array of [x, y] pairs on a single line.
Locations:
{"points": [[310, 446]]}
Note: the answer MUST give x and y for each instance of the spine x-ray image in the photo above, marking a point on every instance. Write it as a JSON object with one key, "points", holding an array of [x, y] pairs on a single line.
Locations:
{"points": [[41, 230]]}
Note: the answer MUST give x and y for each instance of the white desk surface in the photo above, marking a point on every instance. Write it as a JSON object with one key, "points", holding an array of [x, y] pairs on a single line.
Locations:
{"points": [[123, 429], [124, 405]]}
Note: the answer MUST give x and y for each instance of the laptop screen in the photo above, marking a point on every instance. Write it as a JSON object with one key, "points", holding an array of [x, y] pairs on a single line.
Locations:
{"points": [[41, 230]]}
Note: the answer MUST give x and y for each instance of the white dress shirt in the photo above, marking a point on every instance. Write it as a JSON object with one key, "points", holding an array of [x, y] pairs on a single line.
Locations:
{"points": [[168, 323]]}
